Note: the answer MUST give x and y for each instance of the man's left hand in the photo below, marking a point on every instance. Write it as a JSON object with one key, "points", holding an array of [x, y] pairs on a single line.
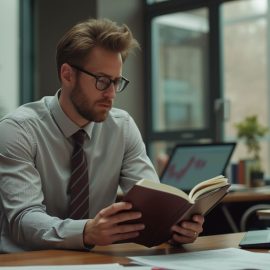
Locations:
{"points": [[187, 231]]}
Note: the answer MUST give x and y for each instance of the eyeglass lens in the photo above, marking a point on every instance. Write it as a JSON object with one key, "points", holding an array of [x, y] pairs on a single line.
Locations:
{"points": [[103, 83]]}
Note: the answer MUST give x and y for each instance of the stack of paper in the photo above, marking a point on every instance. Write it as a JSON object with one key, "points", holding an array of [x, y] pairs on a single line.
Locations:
{"points": [[225, 259]]}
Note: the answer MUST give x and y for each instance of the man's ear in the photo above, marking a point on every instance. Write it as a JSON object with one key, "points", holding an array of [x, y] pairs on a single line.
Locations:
{"points": [[67, 74]]}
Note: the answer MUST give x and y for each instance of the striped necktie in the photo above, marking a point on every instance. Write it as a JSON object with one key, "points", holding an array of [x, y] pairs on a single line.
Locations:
{"points": [[79, 183]]}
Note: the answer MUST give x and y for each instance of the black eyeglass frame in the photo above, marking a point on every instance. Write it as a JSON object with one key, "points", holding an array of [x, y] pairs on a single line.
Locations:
{"points": [[121, 81]]}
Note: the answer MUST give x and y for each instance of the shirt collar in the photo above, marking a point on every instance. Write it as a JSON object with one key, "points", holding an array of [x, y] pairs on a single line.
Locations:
{"points": [[66, 125]]}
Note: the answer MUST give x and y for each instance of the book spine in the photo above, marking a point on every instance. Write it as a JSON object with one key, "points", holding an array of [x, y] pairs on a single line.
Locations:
{"points": [[234, 173], [244, 171], [241, 172]]}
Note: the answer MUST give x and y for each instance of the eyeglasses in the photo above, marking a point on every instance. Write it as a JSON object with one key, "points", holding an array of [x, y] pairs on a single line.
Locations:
{"points": [[104, 82]]}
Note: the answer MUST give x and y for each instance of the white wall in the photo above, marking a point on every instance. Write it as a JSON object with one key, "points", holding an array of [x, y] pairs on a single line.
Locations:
{"points": [[9, 55]]}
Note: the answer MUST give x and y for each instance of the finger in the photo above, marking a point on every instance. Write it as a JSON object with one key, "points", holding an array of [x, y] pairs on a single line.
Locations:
{"points": [[124, 236], [115, 208], [184, 235], [198, 218], [185, 232], [108, 222], [126, 216], [178, 238], [121, 229], [192, 226]]}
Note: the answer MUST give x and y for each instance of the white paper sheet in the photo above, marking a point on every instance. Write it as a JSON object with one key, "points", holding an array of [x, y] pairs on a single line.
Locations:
{"points": [[221, 259]]}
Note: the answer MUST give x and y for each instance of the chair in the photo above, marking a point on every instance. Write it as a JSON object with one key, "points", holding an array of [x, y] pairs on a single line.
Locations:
{"points": [[251, 220], [263, 214]]}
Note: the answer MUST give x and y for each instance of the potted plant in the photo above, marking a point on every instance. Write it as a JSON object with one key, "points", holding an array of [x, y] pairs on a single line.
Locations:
{"points": [[251, 131]]}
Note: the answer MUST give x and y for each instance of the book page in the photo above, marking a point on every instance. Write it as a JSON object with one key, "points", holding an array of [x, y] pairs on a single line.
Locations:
{"points": [[207, 189], [163, 187], [222, 259], [207, 185]]}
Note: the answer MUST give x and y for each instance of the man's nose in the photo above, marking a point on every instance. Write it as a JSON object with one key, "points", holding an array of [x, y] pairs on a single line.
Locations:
{"points": [[110, 91]]}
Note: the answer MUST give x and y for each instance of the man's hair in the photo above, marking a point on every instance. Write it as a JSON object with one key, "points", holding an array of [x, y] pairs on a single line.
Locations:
{"points": [[77, 43]]}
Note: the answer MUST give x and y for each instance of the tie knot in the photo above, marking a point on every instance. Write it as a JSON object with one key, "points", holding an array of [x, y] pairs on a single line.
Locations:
{"points": [[78, 137]]}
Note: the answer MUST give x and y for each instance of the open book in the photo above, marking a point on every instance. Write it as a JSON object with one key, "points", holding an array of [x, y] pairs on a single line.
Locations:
{"points": [[162, 206]]}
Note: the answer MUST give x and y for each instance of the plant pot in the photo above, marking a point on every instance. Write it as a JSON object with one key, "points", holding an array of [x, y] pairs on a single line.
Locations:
{"points": [[257, 179]]}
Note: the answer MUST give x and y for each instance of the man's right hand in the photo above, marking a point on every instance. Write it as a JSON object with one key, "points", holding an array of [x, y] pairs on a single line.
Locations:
{"points": [[106, 227]]}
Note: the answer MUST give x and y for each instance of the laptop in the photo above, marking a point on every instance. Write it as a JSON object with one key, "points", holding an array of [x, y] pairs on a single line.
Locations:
{"points": [[190, 164]]}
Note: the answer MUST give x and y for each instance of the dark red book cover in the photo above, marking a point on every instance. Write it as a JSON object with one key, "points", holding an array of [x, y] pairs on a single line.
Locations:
{"points": [[161, 210]]}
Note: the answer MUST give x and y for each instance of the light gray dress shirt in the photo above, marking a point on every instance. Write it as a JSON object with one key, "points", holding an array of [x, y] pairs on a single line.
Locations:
{"points": [[35, 153]]}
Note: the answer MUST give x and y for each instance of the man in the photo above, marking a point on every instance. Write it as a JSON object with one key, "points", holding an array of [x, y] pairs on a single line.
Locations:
{"points": [[37, 144]]}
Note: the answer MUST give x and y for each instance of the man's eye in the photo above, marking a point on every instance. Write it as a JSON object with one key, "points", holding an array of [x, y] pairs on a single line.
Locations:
{"points": [[104, 80]]}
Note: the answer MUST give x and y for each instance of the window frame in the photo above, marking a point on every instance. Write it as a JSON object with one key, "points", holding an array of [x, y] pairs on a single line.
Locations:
{"points": [[214, 131]]}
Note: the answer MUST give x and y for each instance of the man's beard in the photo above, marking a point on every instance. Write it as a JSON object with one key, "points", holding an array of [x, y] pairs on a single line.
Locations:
{"points": [[86, 110]]}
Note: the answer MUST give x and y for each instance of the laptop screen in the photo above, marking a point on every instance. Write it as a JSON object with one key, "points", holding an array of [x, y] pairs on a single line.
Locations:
{"points": [[190, 164]]}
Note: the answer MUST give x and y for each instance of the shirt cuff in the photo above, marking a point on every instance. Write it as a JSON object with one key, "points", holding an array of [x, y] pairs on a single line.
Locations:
{"points": [[74, 234]]}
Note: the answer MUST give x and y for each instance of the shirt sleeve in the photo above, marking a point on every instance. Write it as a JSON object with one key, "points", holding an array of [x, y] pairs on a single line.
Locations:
{"points": [[136, 163], [21, 196]]}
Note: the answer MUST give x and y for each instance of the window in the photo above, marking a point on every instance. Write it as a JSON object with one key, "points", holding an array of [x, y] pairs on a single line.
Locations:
{"points": [[180, 46], [245, 29], [180, 91], [208, 64]]}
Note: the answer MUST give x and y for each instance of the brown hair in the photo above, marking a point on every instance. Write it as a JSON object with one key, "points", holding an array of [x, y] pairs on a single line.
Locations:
{"points": [[76, 44]]}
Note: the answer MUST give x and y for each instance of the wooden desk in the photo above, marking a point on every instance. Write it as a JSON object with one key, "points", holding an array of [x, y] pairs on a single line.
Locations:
{"points": [[247, 196], [116, 253]]}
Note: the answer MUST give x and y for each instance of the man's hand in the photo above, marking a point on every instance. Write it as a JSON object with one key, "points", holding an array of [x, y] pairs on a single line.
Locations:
{"points": [[187, 231], [105, 229]]}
